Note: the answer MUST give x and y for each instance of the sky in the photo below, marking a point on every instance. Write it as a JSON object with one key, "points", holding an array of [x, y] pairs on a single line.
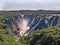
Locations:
{"points": [[29, 4]]}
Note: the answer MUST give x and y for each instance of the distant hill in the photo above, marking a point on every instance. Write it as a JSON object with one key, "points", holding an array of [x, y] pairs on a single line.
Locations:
{"points": [[30, 12]]}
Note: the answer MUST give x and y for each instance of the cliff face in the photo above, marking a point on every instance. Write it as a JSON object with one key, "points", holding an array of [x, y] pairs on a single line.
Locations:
{"points": [[24, 24]]}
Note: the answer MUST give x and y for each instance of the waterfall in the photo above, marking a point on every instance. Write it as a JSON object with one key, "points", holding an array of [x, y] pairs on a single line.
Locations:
{"points": [[32, 22], [23, 26], [52, 21], [46, 21], [58, 22], [32, 29]]}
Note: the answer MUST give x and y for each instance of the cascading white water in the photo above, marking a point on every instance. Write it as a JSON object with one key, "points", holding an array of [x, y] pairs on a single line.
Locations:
{"points": [[58, 22], [32, 29], [52, 21], [23, 27], [46, 21]]}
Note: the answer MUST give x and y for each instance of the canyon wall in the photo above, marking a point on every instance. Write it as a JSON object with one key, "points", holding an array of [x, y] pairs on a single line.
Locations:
{"points": [[23, 24]]}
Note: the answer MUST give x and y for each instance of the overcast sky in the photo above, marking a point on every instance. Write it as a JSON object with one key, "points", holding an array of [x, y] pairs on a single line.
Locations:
{"points": [[29, 4]]}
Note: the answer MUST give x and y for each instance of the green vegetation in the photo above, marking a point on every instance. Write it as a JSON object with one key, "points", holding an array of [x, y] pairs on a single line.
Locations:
{"points": [[48, 36]]}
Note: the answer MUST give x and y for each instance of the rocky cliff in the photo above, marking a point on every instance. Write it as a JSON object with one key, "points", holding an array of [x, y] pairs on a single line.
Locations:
{"points": [[22, 25]]}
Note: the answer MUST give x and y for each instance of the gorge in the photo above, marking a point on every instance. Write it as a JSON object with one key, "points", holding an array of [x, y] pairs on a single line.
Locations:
{"points": [[22, 25]]}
